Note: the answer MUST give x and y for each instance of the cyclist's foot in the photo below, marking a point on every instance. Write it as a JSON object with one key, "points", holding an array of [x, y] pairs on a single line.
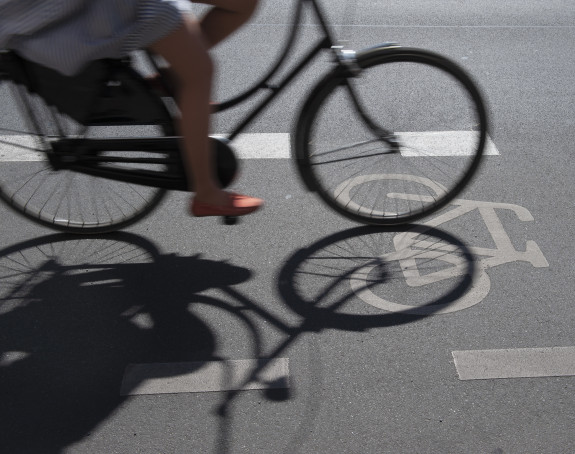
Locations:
{"points": [[235, 205]]}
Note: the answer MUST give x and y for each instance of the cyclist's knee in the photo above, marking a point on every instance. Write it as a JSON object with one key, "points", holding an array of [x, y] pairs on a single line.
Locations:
{"points": [[199, 73], [187, 55]]}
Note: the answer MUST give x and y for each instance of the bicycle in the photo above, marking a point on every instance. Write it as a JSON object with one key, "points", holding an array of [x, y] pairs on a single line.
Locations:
{"points": [[370, 155]]}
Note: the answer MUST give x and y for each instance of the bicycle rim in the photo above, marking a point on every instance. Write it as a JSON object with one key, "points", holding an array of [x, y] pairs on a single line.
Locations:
{"points": [[433, 111], [61, 199]]}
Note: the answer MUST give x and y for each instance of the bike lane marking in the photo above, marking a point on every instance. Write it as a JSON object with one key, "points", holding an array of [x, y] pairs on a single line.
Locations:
{"points": [[15, 148], [409, 249], [19, 148], [204, 376], [261, 145], [515, 363], [278, 145], [442, 143]]}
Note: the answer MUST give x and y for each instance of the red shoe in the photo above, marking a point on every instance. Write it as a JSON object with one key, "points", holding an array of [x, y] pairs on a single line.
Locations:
{"points": [[237, 205]]}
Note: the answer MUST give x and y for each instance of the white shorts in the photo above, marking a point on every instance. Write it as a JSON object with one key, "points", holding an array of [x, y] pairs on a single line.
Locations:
{"points": [[67, 34]]}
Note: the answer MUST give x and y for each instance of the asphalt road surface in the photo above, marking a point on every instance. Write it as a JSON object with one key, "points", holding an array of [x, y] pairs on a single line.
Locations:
{"points": [[137, 342]]}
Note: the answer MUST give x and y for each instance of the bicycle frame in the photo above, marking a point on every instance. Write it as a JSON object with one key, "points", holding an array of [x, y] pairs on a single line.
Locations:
{"points": [[82, 154], [327, 41], [344, 59]]}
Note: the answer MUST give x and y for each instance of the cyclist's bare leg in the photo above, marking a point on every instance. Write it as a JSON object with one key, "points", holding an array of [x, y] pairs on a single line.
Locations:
{"points": [[222, 20], [186, 52]]}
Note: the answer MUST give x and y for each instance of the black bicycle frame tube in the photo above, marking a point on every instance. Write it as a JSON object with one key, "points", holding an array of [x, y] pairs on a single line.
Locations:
{"points": [[326, 42], [263, 82], [322, 22], [277, 89]]}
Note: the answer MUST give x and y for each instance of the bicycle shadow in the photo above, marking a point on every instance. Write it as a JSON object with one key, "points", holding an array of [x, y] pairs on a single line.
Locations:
{"points": [[350, 266], [74, 312], [319, 283]]}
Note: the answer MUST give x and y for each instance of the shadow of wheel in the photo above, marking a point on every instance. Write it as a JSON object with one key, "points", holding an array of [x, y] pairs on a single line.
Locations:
{"points": [[321, 282]]}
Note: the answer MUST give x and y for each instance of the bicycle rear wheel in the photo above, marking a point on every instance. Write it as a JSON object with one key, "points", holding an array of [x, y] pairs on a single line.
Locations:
{"points": [[61, 199], [436, 130]]}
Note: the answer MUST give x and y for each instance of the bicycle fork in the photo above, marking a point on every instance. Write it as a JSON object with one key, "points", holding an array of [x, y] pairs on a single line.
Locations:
{"points": [[348, 60]]}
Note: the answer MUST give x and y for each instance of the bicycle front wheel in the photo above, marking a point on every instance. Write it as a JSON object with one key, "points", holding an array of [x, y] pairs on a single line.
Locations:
{"points": [[396, 143]]}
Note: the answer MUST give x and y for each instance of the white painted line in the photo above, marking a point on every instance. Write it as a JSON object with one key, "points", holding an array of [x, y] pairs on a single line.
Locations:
{"points": [[247, 146], [277, 145], [515, 363], [388, 26], [205, 376], [442, 143], [262, 146], [19, 148]]}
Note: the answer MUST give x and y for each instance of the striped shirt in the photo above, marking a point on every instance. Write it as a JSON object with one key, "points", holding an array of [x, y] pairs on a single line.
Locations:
{"points": [[67, 34]]}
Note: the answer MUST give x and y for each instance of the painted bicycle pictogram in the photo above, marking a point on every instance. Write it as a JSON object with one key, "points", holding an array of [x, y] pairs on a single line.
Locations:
{"points": [[413, 250]]}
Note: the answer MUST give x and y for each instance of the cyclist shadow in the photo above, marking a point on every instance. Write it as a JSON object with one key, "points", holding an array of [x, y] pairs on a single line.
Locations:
{"points": [[75, 312]]}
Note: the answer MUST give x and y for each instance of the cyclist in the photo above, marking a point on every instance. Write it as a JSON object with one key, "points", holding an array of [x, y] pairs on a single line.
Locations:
{"points": [[66, 34]]}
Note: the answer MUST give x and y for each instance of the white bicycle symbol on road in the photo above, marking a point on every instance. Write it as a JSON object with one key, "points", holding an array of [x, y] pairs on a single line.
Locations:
{"points": [[411, 249]]}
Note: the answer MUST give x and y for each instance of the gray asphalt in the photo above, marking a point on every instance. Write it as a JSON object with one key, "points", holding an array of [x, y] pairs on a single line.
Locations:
{"points": [[362, 379]]}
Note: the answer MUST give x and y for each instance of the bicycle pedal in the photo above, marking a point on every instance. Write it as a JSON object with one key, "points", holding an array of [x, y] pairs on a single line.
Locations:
{"points": [[230, 220]]}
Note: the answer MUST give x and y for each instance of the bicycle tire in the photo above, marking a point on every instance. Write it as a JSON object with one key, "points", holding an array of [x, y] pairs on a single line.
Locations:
{"points": [[441, 142], [65, 200]]}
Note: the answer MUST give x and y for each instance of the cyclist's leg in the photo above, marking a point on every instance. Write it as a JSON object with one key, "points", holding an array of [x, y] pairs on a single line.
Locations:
{"points": [[187, 54], [222, 20]]}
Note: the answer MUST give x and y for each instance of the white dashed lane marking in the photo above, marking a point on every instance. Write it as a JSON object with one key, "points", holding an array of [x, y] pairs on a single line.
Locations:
{"points": [[515, 363], [204, 376], [441, 143], [19, 148], [277, 145]]}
